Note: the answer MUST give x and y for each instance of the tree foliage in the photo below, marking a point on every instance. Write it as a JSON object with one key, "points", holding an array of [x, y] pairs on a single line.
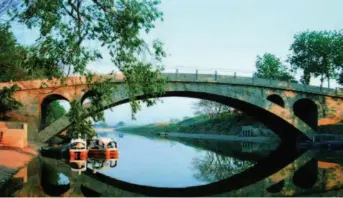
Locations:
{"points": [[270, 67], [54, 111], [68, 28], [7, 4], [14, 62], [210, 108], [80, 124], [317, 54], [7, 102]]}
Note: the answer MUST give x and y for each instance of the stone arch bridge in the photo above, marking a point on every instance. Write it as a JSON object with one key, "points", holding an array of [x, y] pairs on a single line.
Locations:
{"points": [[287, 108]]}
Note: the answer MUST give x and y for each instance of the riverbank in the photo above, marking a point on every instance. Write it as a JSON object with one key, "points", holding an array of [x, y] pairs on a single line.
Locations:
{"points": [[104, 129], [216, 137], [230, 125], [14, 159]]}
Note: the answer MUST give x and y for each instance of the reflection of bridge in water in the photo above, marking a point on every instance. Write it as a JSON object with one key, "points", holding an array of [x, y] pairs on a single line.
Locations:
{"points": [[270, 177]]}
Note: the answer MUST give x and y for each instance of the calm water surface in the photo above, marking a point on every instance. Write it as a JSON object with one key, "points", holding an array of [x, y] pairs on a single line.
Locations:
{"points": [[167, 163], [159, 165]]}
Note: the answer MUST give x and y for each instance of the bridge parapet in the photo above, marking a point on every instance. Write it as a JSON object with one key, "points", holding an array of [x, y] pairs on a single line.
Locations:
{"points": [[215, 77]]}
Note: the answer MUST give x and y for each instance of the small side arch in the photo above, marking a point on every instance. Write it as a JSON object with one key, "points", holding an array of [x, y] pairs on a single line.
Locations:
{"points": [[307, 111], [86, 96], [44, 106], [276, 99]]}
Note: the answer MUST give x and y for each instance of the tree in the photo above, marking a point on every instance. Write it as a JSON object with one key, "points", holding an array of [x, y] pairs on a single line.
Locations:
{"points": [[7, 4], [80, 125], [67, 27], [54, 111], [7, 102], [14, 63], [174, 121], [210, 108], [317, 54], [185, 118], [270, 67]]}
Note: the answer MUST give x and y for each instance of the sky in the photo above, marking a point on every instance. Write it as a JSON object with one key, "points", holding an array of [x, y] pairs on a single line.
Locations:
{"points": [[223, 35]]}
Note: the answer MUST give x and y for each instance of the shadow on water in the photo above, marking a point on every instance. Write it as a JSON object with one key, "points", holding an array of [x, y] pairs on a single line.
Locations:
{"points": [[87, 192]]}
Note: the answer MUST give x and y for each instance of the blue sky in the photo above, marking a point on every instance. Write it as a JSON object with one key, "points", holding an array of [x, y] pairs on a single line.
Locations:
{"points": [[223, 34]]}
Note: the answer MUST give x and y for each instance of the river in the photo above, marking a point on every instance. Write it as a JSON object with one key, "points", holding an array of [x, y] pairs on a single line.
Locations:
{"points": [[177, 166]]}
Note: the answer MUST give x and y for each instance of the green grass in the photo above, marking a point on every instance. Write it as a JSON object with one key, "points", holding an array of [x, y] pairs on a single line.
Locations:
{"points": [[226, 125]]}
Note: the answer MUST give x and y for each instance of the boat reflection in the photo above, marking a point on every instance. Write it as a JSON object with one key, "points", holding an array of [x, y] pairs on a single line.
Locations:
{"points": [[78, 165], [96, 163]]}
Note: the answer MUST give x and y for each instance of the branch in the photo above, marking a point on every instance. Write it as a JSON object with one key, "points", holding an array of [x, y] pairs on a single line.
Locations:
{"points": [[70, 13], [102, 6]]}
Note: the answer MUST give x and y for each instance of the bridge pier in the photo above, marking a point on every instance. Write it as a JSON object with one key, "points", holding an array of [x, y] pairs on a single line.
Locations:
{"points": [[29, 114]]}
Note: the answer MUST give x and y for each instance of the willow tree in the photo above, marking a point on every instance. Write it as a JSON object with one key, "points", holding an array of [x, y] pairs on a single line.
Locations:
{"points": [[74, 33]]}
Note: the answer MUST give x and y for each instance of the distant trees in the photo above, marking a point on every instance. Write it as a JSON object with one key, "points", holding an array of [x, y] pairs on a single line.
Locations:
{"points": [[185, 118], [210, 108], [120, 124], [270, 67], [54, 111], [174, 121], [317, 54]]}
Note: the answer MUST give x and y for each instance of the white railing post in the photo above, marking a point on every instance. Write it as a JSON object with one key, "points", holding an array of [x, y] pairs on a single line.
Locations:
{"points": [[177, 73], [234, 75], [215, 75]]}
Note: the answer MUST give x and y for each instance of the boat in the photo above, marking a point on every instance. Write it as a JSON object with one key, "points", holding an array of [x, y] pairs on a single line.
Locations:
{"points": [[103, 147], [78, 149]]}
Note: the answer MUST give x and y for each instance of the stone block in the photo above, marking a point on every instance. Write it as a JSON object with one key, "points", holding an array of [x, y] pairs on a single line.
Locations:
{"points": [[13, 137]]}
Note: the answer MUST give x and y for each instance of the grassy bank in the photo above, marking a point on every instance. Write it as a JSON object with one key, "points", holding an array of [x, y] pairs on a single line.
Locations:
{"points": [[227, 125]]}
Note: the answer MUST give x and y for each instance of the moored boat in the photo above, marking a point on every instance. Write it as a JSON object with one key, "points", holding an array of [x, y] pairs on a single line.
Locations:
{"points": [[103, 147], [78, 149]]}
